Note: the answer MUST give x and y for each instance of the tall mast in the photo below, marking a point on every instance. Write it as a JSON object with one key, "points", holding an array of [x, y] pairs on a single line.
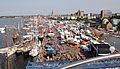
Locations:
{"points": [[5, 37]]}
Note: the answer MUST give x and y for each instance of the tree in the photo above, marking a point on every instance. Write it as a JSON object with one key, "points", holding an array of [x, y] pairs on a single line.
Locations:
{"points": [[117, 17], [118, 27]]}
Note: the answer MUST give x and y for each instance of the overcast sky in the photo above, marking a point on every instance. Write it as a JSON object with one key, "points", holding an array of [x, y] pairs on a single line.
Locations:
{"points": [[27, 7]]}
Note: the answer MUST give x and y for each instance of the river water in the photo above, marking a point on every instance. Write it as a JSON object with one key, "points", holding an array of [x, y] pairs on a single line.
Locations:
{"points": [[20, 61]]}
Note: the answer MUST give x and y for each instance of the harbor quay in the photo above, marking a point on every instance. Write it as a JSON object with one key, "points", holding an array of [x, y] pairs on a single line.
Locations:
{"points": [[56, 43]]}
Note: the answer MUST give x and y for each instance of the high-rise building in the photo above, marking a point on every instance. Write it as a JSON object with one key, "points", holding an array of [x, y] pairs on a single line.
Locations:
{"points": [[80, 13], [106, 13]]}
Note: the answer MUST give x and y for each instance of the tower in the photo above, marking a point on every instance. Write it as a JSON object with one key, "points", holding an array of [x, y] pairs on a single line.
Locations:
{"points": [[52, 13]]}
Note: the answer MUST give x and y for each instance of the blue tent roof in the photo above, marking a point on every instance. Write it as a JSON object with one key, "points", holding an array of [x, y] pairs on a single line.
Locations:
{"points": [[50, 49]]}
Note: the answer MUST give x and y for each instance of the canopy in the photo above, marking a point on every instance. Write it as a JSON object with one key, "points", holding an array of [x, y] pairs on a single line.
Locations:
{"points": [[50, 49], [51, 34], [26, 28], [85, 47], [26, 36], [88, 31]]}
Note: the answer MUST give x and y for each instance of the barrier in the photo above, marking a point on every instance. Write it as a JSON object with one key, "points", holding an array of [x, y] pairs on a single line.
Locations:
{"points": [[109, 61], [46, 65]]}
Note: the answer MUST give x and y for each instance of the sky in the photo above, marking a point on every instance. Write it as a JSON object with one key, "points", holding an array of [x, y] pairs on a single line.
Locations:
{"points": [[45, 7]]}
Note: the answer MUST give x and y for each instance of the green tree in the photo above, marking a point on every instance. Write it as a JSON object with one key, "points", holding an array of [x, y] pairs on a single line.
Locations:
{"points": [[117, 17], [118, 27]]}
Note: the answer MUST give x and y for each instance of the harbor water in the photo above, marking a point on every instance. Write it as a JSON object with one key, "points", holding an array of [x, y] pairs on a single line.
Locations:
{"points": [[14, 61], [9, 22]]}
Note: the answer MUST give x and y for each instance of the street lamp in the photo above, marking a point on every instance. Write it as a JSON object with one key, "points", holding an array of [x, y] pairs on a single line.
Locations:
{"points": [[112, 49], [114, 43]]}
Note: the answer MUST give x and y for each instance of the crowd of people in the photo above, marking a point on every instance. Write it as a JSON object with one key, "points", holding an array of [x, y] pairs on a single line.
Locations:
{"points": [[63, 40]]}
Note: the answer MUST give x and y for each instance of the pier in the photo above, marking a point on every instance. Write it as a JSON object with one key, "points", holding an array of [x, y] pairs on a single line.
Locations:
{"points": [[11, 50]]}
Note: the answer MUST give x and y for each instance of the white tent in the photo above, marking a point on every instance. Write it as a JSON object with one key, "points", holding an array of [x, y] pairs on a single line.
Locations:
{"points": [[27, 36], [51, 34]]}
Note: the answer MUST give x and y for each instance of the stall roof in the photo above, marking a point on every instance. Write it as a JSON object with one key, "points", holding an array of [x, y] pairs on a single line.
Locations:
{"points": [[27, 36]]}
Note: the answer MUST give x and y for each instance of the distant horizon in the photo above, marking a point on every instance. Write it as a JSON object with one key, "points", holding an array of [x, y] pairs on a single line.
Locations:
{"points": [[45, 7], [24, 14]]}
